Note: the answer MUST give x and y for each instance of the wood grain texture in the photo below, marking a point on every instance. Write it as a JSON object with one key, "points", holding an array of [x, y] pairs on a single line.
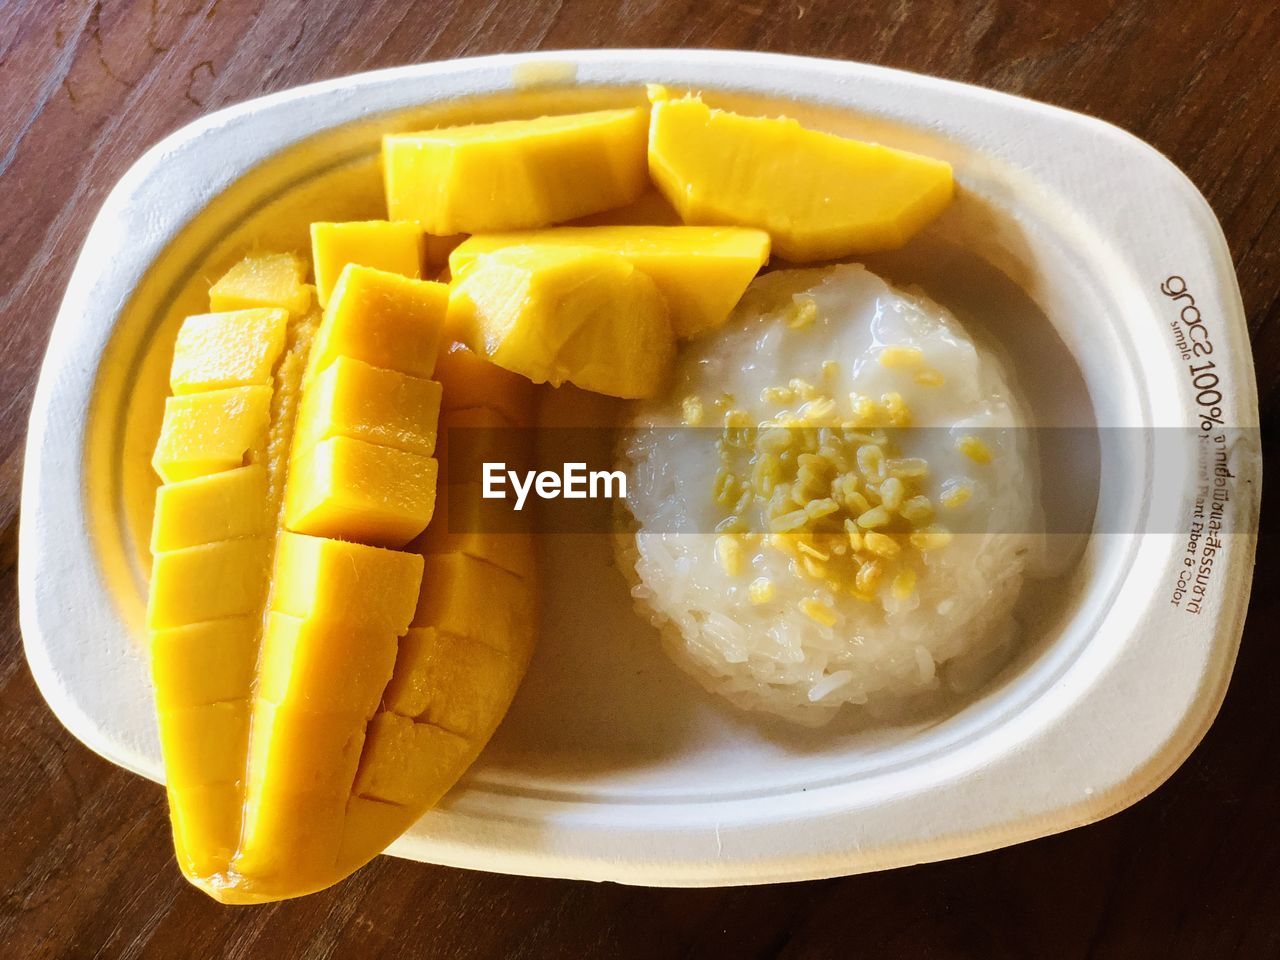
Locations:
{"points": [[85, 864]]}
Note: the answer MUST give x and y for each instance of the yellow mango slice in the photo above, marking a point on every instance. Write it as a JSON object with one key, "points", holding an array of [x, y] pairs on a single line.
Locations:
{"points": [[567, 314], [455, 683], [701, 271], [409, 763], [205, 744], [468, 597], [390, 245], [349, 582], [377, 495], [203, 663], [818, 195], [231, 577], [516, 173], [263, 280], [220, 506], [234, 349], [470, 381], [353, 399], [203, 433], [383, 319]]}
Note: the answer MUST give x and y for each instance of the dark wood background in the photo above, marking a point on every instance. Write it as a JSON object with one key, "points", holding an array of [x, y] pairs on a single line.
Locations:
{"points": [[85, 864]]}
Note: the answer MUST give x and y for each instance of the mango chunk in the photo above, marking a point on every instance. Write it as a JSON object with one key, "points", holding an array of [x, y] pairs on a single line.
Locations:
{"points": [[515, 173], [458, 684], [471, 381], [209, 582], [464, 522], [349, 488], [384, 319], [204, 433], [204, 662], [220, 506], [205, 744], [409, 763], [323, 666], [263, 280], [390, 245], [818, 195], [701, 271], [468, 597], [557, 314], [349, 582], [206, 826], [352, 399], [234, 349]]}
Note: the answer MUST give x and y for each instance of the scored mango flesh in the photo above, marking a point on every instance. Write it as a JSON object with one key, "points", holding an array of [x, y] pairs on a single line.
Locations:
{"points": [[316, 689], [819, 196]]}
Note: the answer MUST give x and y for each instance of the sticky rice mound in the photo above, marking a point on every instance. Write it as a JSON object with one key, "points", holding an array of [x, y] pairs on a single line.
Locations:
{"points": [[832, 504]]}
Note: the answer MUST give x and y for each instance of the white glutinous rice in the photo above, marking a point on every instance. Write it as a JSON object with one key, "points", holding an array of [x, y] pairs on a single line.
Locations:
{"points": [[833, 502]]}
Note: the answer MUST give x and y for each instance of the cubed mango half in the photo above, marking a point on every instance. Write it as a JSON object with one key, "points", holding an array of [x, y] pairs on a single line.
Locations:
{"points": [[204, 745]]}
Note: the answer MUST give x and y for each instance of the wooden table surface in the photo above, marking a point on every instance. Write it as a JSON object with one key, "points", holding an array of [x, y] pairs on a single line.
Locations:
{"points": [[85, 862]]}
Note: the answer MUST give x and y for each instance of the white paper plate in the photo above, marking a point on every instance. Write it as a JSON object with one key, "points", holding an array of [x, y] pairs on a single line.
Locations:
{"points": [[612, 765]]}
